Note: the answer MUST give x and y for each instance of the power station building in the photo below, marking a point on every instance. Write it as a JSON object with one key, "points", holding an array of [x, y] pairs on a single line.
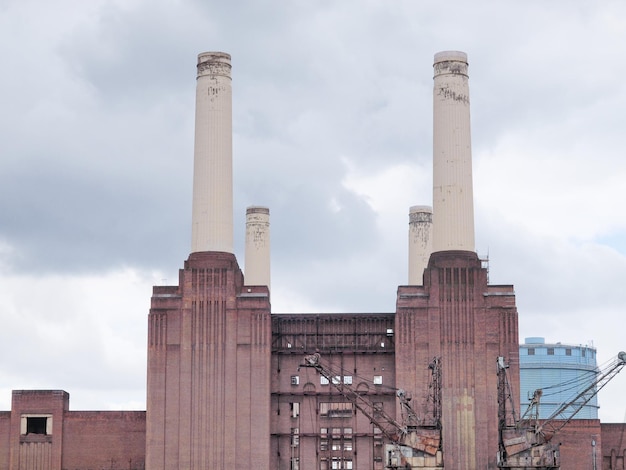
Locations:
{"points": [[228, 386]]}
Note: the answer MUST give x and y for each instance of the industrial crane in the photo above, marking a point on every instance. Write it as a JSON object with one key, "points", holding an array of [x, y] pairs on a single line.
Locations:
{"points": [[526, 444], [416, 442]]}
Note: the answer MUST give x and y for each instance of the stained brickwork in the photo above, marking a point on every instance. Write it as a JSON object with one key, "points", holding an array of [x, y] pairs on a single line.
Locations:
{"points": [[613, 446], [457, 316], [208, 369], [331, 432]]}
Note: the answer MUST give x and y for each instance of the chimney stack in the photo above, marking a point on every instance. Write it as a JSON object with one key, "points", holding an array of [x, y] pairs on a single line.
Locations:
{"points": [[453, 205], [257, 269], [212, 209], [420, 242]]}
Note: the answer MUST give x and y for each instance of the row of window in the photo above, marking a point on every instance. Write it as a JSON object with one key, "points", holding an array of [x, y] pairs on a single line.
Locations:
{"points": [[337, 379], [330, 438], [336, 433], [336, 409], [334, 463], [335, 439], [550, 352], [331, 409], [389, 333], [340, 439]]}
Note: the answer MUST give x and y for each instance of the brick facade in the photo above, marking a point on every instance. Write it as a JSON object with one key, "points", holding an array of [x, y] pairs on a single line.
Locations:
{"points": [[456, 315], [209, 369], [227, 390], [40, 433], [613, 446]]}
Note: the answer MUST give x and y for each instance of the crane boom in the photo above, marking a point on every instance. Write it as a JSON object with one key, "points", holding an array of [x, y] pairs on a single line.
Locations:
{"points": [[415, 445], [568, 410], [526, 444]]}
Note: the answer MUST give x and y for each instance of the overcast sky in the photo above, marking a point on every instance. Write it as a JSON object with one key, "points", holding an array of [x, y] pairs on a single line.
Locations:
{"points": [[332, 120]]}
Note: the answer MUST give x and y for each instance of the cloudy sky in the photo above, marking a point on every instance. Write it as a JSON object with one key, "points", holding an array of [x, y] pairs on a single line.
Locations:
{"points": [[332, 119]]}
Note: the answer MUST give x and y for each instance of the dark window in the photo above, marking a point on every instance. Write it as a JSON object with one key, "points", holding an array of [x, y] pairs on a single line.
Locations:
{"points": [[568, 352], [550, 351], [323, 438], [531, 351], [336, 410], [36, 425]]}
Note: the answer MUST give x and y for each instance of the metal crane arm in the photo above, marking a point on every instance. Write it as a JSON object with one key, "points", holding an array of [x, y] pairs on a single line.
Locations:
{"points": [[426, 439], [573, 406], [390, 428], [527, 444]]}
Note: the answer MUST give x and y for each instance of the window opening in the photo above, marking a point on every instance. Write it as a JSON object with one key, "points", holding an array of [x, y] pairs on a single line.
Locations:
{"points": [[36, 425], [336, 410]]}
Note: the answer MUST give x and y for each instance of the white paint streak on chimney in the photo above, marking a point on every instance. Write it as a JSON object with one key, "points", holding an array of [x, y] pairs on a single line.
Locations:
{"points": [[212, 210], [420, 242], [453, 205], [257, 269]]}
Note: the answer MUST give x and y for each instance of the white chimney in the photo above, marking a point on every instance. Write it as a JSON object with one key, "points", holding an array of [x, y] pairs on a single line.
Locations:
{"points": [[257, 268], [420, 242], [453, 205], [212, 209]]}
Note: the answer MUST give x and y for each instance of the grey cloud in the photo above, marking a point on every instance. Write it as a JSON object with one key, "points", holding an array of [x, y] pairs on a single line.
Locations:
{"points": [[96, 141]]}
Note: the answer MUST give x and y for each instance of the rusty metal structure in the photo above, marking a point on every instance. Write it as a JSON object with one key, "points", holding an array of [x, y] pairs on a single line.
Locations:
{"points": [[529, 443], [414, 443]]}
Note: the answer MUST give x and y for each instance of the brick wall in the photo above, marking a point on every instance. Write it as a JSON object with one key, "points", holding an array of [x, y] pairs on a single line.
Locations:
{"points": [[104, 440], [5, 422], [577, 440], [69, 440], [613, 446]]}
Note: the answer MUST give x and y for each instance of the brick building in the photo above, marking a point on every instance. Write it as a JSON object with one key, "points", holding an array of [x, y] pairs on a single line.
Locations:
{"points": [[40, 432], [226, 384]]}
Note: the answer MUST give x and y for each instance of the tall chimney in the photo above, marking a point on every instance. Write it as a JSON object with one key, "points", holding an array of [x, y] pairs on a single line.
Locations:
{"points": [[420, 242], [212, 209], [453, 205], [257, 267]]}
